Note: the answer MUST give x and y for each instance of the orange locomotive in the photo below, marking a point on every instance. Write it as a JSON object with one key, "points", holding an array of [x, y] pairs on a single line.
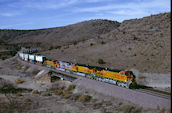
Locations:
{"points": [[115, 76]]}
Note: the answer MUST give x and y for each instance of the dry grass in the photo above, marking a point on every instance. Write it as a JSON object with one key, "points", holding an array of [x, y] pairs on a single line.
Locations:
{"points": [[75, 97], [19, 94], [127, 108], [46, 94], [14, 105], [58, 92], [97, 105], [19, 81], [35, 91], [26, 99], [84, 98], [7, 87], [35, 72], [70, 88]]}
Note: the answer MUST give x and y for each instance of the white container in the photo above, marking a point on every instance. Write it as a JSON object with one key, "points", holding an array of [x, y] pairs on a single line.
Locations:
{"points": [[26, 56], [40, 58], [31, 57], [21, 55]]}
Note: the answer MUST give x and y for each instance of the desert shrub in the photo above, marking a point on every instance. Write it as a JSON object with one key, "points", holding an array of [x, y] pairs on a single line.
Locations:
{"points": [[102, 42], [100, 61], [127, 108], [35, 91], [51, 48], [19, 81], [135, 38], [134, 64], [35, 72], [67, 96], [97, 105], [25, 99], [66, 93], [129, 48], [14, 105], [152, 54], [75, 96], [18, 94], [58, 92], [7, 87], [84, 98], [70, 87], [75, 43], [25, 68], [57, 47], [91, 44], [54, 78], [45, 94]]}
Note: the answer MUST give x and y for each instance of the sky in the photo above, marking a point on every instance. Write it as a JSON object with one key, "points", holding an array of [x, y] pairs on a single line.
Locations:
{"points": [[38, 14]]}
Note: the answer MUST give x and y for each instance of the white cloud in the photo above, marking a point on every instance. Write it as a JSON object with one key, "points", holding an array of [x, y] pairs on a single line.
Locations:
{"points": [[95, 1], [154, 4], [43, 4], [9, 14], [127, 10]]}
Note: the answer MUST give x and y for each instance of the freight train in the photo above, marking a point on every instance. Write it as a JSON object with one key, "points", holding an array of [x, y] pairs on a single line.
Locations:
{"points": [[121, 78]]}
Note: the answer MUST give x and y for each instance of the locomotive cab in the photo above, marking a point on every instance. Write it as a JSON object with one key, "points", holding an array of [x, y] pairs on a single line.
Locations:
{"points": [[131, 79]]}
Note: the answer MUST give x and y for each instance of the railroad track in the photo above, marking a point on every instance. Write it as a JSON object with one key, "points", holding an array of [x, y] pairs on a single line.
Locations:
{"points": [[149, 91], [154, 93]]}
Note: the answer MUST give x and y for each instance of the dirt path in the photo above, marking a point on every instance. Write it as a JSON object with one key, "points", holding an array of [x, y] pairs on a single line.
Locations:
{"points": [[139, 98]]}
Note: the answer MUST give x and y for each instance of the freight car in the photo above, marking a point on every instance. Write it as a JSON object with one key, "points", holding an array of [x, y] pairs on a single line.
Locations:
{"points": [[121, 78]]}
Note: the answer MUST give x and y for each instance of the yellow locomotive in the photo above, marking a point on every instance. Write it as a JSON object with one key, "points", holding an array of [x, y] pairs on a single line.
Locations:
{"points": [[118, 77]]}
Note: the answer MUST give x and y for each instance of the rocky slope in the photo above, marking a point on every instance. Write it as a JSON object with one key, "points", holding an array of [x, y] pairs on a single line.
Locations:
{"points": [[142, 44]]}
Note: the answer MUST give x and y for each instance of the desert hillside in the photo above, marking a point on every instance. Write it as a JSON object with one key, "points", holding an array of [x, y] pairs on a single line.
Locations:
{"points": [[142, 44], [54, 37]]}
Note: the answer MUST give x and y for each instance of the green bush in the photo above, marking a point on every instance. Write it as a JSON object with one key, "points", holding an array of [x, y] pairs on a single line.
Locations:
{"points": [[102, 42], [91, 44], [57, 47], [100, 61], [51, 48], [135, 38], [75, 43]]}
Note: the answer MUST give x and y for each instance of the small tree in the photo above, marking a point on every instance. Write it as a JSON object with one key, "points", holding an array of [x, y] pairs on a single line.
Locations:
{"points": [[102, 42], [100, 61]]}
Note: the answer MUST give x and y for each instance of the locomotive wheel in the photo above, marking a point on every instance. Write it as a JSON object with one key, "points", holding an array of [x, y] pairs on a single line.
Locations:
{"points": [[131, 86], [117, 83]]}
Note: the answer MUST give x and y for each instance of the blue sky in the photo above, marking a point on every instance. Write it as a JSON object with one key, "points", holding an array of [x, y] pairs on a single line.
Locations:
{"points": [[36, 14]]}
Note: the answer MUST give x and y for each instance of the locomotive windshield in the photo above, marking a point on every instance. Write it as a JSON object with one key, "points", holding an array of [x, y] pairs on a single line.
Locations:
{"points": [[129, 73]]}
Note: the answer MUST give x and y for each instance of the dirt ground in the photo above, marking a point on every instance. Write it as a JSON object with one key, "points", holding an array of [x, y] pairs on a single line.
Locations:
{"points": [[20, 92]]}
